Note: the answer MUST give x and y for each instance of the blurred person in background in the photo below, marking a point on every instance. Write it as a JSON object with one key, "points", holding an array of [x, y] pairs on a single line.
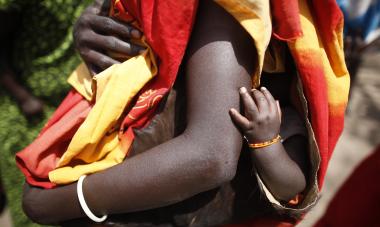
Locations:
{"points": [[361, 30], [29, 105], [39, 55]]}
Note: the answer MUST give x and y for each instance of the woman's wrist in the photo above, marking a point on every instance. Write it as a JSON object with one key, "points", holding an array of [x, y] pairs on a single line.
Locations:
{"points": [[83, 203]]}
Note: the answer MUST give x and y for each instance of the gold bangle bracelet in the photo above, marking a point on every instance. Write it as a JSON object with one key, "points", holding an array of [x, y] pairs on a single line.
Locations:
{"points": [[265, 144]]}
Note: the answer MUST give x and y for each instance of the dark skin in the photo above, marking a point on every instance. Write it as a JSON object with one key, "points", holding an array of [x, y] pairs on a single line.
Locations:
{"points": [[261, 122], [195, 161], [95, 34]]}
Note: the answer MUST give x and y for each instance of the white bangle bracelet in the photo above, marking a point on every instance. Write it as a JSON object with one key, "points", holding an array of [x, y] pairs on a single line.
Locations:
{"points": [[83, 204]]}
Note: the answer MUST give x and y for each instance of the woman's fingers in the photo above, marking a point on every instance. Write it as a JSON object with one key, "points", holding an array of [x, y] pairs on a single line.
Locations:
{"points": [[96, 34], [109, 26], [113, 44], [98, 59], [239, 120], [250, 107]]}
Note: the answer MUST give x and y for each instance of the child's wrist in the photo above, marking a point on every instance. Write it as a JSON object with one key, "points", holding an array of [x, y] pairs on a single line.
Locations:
{"points": [[263, 143]]}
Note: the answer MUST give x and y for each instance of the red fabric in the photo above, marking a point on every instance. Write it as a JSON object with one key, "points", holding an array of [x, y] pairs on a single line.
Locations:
{"points": [[53, 140], [330, 18], [167, 29], [286, 19], [315, 90], [326, 126], [357, 203]]}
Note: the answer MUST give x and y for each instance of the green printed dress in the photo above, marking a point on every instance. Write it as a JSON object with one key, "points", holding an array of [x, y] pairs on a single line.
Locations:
{"points": [[44, 55]]}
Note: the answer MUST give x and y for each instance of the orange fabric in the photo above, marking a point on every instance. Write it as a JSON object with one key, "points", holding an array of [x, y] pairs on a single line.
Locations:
{"points": [[319, 58], [53, 140], [175, 21]]}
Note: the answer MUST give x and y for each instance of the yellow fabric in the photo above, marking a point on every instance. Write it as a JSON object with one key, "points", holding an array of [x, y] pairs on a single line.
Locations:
{"points": [[113, 90], [81, 81], [254, 16]]}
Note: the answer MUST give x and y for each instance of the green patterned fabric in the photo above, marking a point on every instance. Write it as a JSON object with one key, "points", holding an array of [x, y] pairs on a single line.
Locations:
{"points": [[45, 56]]}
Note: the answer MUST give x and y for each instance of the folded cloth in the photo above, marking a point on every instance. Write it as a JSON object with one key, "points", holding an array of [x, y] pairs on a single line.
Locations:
{"points": [[125, 96], [119, 98]]}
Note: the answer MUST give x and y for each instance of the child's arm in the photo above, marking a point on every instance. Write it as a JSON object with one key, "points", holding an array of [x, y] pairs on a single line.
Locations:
{"points": [[278, 164]]}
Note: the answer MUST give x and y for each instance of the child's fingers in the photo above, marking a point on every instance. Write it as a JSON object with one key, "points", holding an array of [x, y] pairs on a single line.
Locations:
{"points": [[261, 101], [270, 99], [240, 120], [279, 110], [250, 107]]}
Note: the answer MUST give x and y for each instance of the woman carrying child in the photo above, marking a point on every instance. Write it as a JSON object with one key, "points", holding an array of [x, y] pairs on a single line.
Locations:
{"points": [[196, 174]]}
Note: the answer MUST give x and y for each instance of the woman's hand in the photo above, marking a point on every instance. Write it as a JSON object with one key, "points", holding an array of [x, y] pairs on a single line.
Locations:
{"points": [[262, 118], [95, 34]]}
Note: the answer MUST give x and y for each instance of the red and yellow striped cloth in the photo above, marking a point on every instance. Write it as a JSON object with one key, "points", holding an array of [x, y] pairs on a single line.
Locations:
{"points": [[92, 129]]}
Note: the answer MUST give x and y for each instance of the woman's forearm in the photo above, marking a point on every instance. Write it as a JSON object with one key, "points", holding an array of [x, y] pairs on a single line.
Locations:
{"points": [[163, 175]]}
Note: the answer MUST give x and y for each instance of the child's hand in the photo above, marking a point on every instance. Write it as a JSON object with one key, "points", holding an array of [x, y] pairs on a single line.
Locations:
{"points": [[262, 118]]}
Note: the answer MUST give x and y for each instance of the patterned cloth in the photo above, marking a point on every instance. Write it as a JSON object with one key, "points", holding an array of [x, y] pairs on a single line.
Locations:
{"points": [[44, 55]]}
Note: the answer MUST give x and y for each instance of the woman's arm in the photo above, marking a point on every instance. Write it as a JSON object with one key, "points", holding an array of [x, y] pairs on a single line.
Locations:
{"points": [[221, 59]]}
